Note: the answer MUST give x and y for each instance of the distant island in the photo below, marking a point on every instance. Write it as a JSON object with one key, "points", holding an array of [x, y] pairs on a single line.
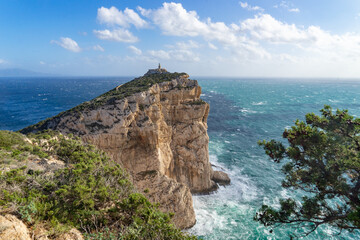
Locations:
{"points": [[18, 72]]}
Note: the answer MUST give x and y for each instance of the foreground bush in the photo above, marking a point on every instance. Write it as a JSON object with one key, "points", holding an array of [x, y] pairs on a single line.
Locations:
{"points": [[322, 160], [90, 192]]}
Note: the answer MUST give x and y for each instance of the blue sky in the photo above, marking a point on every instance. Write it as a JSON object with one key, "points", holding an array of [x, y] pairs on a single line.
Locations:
{"points": [[267, 38]]}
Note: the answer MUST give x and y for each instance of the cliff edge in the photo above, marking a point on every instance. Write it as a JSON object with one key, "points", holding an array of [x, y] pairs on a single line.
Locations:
{"points": [[156, 127]]}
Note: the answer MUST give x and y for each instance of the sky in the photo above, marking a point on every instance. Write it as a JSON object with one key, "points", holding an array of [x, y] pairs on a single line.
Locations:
{"points": [[254, 38]]}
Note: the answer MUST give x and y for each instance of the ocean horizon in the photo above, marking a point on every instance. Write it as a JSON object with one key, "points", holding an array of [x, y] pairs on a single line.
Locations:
{"points": [[242, 111]]}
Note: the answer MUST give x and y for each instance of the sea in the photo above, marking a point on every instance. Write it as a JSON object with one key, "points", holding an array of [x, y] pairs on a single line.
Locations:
{"points": [[242, 111]]}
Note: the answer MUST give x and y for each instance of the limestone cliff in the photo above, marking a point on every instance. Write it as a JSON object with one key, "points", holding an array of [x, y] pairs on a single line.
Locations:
{"points": [[155, 126]]}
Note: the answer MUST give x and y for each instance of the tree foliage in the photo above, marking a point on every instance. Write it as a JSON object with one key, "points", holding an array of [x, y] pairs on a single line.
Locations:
{"points": [[322, 161]]}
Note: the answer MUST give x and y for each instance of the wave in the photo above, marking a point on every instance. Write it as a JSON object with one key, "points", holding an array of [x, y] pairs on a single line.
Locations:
{"points": [[259, 103], [247, 110], [222, 209]]}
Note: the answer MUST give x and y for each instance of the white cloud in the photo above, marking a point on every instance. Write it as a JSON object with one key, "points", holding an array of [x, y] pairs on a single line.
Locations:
{"points": [[113, 16], [212, 46], [185, 55], [135, 19], [42, 63], [98, 48], [250, 39], [248, 7], [251, 51], [143, 11], [178, 55], [2, 61], [311, 40], [243, 4], [159, 54], [287, 58], [261, 39], [135, 50], [185, 45], [294, 10], [118, 35], [141, 58], [265, 27], [68, 44], [174, 20], [284, 4], [288, 6], [180, 51]]}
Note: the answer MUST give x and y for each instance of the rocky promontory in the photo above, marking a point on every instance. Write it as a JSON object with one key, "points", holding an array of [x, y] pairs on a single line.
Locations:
{"points": [[155, 126]]}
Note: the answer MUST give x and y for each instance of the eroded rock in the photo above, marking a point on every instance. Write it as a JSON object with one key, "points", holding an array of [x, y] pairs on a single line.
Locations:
{"points": [[159, 136], [73, 234], [221, 178], [11, 228]]}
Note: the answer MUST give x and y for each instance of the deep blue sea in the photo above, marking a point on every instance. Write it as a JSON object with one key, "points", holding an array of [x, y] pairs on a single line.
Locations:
{"points": [[242, 111]]}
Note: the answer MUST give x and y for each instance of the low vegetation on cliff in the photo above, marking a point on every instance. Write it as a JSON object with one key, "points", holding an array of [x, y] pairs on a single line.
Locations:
{"points": [[137, 85], [56, 181]]}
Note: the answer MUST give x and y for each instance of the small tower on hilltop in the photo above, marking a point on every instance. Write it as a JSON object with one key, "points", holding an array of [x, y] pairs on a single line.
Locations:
{"points": [[158, 70]]}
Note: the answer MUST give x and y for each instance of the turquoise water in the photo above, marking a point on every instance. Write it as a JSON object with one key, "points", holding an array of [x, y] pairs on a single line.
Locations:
{"points": [[242, 112]]}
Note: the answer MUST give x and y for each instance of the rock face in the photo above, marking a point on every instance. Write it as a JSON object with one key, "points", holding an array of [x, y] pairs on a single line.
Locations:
{"points": [[73, 234], [159, 135], [12, 228], [221, 178]]}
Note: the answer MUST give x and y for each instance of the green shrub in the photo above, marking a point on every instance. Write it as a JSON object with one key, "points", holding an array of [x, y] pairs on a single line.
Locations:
{"points": [[9, 139], [15, 153], [106, 234], [92, 193], [27, 211]]}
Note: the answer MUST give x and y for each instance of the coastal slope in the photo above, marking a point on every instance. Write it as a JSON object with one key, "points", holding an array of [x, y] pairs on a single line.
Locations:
{"points": [[155, 126]]}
